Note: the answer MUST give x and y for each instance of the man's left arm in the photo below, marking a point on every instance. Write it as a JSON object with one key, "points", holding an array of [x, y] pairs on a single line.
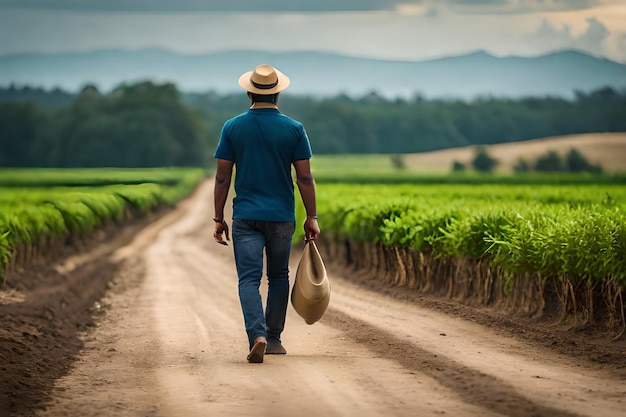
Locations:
{"points": [[306, 185]]}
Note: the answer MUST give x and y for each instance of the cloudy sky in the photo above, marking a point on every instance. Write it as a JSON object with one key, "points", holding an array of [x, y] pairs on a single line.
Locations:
{"points": [[403, 30]]}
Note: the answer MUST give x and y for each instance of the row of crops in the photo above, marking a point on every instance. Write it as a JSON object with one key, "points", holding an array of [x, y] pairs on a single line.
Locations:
{"points": [[42, 210], [576, 231], [570, 237]]}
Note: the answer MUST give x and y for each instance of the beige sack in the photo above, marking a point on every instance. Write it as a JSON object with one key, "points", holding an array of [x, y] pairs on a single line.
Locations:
{"points": [[311, 290]]}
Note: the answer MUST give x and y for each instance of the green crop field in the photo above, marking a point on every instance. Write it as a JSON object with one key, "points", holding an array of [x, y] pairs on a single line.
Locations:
{"points": [[579, 231], [42, 209], [571, 224], [560, 233]]}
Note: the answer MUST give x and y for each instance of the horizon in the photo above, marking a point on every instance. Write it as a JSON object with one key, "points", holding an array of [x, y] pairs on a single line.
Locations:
{"points": [[466, 76], [326, 52]]}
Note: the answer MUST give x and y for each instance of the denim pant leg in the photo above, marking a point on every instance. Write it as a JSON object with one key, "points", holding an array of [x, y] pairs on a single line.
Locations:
{"points": [[248, 244], [278, 238]]}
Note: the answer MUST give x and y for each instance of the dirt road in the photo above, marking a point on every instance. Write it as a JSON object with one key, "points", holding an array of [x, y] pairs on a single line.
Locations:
{"points": [[171, 343]]}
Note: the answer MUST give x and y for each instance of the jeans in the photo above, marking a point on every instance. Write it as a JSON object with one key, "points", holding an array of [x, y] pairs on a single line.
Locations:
{"points": [[250, 237]]}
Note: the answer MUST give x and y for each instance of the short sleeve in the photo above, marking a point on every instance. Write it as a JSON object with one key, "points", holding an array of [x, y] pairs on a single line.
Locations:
{"points": [[303, 146], [224, 147]]}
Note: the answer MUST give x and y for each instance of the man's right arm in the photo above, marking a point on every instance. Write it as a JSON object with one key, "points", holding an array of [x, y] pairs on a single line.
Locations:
{"points": [[223, 177]]}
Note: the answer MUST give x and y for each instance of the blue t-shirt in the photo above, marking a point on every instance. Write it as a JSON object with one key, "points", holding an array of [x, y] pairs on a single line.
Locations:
{"points": [[263, 144]]}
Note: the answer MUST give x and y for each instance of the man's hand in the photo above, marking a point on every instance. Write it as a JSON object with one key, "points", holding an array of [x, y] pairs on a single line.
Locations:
{"points": [[220, 228], [311, 229]]}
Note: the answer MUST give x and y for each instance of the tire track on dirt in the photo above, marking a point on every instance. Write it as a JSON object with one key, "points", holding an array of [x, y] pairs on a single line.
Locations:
{"points": [[471, 385]]}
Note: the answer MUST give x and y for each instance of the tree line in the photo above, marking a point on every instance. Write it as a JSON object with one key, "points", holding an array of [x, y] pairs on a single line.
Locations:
{"points": [[136, 125], [149, 124], [373, 124]]}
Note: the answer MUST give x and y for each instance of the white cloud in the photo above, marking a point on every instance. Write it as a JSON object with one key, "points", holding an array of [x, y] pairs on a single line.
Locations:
{"points": [[595, 36], [591, 40]]}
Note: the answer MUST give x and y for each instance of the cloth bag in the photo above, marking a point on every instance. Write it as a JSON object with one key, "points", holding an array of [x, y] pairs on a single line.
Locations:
{"points": [[310, 294]]}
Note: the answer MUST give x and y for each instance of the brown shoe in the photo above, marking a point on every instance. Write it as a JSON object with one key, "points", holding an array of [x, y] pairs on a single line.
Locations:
{"points": [[274, 347], [258, 350]]}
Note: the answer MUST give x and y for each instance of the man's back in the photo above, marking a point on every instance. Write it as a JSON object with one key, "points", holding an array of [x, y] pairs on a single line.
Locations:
{"points": [[263, 143]]}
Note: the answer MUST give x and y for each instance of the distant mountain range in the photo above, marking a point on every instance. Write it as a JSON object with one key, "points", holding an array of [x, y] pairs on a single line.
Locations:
{"points": [[322, 74]]}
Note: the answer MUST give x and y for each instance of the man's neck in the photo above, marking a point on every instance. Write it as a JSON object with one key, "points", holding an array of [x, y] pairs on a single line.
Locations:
{"points": [[262, 105]]}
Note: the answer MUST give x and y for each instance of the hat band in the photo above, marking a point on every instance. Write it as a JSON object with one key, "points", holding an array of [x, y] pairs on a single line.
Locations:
{"points": [[264, 86]]}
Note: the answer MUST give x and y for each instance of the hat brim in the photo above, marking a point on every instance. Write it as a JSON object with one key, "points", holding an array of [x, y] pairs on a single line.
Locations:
{"points": [[283, 83]]}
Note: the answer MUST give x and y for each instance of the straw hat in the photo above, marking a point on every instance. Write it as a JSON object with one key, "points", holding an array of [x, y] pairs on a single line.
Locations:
{"points": [[310, 294], [264, 80]]}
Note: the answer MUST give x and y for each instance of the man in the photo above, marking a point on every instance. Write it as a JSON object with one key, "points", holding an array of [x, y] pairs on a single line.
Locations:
{"points": [[262, 144]]}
